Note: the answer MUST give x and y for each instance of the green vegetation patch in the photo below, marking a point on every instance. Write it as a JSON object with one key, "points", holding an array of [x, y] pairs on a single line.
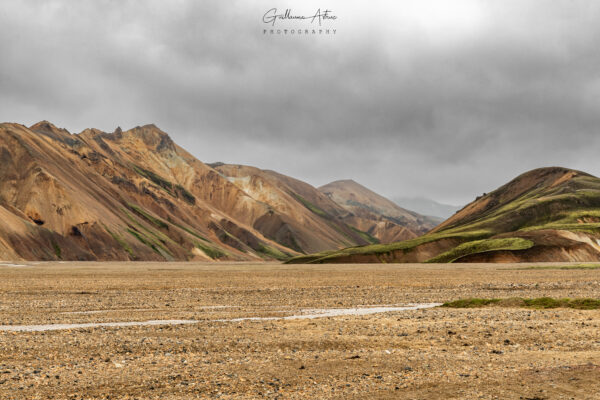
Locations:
{"points": [[310, 206], [157, 179], [540, 303], [272, 252], [545, 208], [161, 239], [587, 221], [174, 190], [121, 242], [57, 250], [192, 232], [139, 236], [379, 249], [481, 246], [159, 223], [470, 303], [185, 194], [293, 244], [365, 235], [157, 247], [210, 251]]}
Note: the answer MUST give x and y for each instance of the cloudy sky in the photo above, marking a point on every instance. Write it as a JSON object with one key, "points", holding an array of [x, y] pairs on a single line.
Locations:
{"points": [[443, 99]]}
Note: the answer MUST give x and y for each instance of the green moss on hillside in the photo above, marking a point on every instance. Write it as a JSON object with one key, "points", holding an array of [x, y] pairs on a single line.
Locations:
{"points": [[185, 194], [157, 222], [155, 178], [192, 232], [210, 251], [57, 250], [143, 239], [310, 206], [375, 249], [481, 246], [551, 198], [366, 236], [586, 220], [174, 190], [272, 252], [121, 242]]}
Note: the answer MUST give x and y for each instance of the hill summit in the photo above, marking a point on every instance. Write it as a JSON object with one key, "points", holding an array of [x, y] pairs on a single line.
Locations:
{"points": [[376, 215], [547, 214]]}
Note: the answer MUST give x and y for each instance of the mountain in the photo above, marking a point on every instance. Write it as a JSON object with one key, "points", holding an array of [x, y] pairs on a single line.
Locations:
{"points": [[426, 206], [300, 216], [136, 195], [547, 214], [376, 215]]}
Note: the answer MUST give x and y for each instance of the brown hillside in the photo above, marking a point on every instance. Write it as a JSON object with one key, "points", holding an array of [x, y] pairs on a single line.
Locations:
{"points": [[376, 215], [301, 217], [136, 195]]}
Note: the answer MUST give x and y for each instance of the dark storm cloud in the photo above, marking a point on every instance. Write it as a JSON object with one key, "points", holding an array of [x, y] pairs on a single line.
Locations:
{"points": [[434, 98]]}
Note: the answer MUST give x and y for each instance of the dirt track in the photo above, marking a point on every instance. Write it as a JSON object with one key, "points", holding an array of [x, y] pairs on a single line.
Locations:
{"points": [[434, 353]]}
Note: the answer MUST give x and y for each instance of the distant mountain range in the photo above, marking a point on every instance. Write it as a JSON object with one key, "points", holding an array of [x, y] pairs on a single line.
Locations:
{"points": [[426, 206], [137, 195], [544, 215]]}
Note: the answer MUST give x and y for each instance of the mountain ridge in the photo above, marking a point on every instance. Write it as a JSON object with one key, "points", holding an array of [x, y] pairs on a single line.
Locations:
{"points": [[375, 214], [546, 214], [136, 195]]}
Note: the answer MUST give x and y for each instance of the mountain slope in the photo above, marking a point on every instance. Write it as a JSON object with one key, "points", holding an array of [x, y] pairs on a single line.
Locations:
{"points": [[376, 215], [127, 195], [301, 218], [547, 214]]}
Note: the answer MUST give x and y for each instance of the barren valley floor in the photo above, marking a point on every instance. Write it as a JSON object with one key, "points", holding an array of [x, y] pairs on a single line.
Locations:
{"points": [[430, 353]]}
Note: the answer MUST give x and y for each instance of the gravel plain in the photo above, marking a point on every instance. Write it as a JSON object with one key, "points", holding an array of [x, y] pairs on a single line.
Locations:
{"points": [[432, 353]]}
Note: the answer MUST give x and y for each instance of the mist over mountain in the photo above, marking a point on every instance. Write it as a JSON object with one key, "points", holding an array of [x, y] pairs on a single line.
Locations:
{"points": [[427, 206]]}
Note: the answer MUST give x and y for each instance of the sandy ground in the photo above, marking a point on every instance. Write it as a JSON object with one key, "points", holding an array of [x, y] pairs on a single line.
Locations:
{"points": [[435, 353]]}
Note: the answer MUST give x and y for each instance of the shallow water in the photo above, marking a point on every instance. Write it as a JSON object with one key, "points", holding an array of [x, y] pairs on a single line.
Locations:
{"points": [[305, 314], [109, 310], [336, 312], [57, 327]]}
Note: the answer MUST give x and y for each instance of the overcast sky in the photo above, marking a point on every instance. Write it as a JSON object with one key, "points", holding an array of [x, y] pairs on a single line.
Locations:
{"points": [[443, 99]]}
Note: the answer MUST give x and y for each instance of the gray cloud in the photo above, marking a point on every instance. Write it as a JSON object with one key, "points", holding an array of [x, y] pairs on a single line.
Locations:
{"points": [[420, 97]]}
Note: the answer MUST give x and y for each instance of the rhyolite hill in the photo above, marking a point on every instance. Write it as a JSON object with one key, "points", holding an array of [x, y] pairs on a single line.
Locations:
{"points": [[136, 195], [372, 213], [544, 215]]}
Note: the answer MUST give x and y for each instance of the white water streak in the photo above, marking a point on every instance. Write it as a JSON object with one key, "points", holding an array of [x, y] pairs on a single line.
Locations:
{"points": [[305, 314]]}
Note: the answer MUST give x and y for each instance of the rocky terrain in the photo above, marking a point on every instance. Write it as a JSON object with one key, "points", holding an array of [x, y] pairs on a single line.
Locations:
{"points": [[137, 195], [450, 353], [544, 215]]}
